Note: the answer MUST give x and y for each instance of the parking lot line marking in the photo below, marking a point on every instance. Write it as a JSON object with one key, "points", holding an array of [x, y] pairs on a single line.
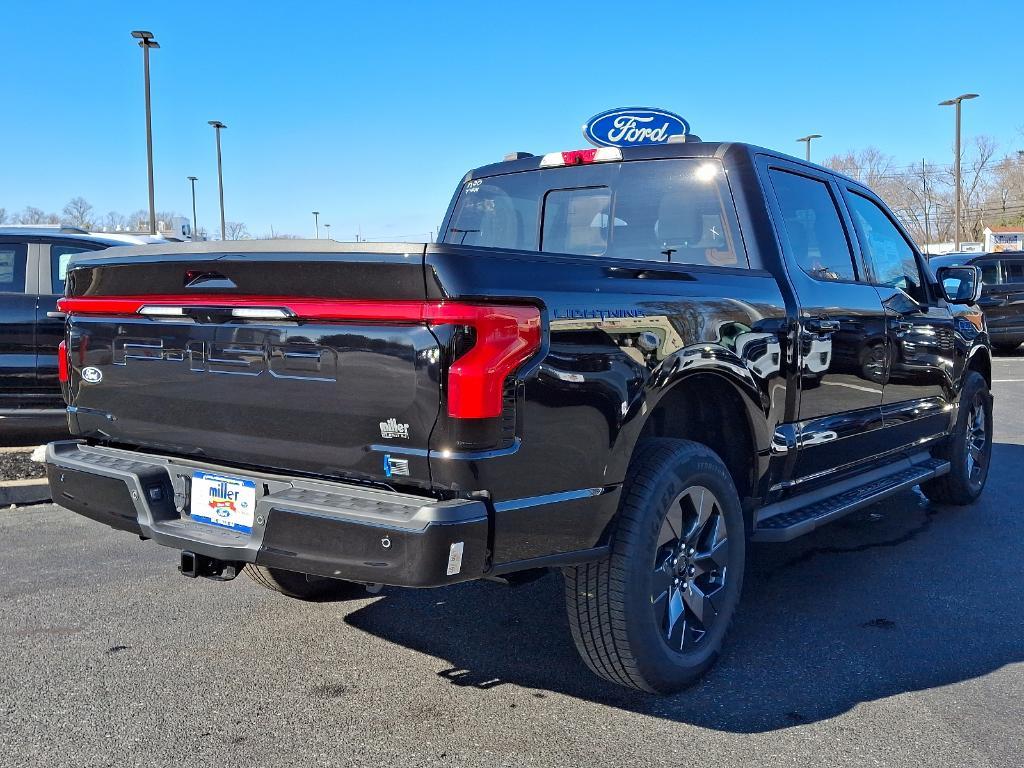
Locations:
{"points": [[1008, 381]]}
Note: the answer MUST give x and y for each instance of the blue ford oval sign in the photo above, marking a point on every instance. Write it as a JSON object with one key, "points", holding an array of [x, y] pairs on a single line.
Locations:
{"points": [[633, 126]]}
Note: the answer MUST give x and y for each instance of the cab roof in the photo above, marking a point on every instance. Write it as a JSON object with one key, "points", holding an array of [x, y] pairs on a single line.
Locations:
{"points": [[720, 149]]}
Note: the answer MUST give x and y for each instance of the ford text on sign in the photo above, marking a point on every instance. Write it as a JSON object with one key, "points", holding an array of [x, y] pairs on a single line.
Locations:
{"points": [[634, 126]]}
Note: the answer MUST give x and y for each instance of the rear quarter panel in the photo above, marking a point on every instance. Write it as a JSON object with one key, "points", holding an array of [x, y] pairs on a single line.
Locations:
{"points": [[584, 399]]}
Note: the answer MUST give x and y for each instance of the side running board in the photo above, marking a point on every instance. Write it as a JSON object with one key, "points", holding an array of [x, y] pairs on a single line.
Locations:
{"points": [[786, 520]]}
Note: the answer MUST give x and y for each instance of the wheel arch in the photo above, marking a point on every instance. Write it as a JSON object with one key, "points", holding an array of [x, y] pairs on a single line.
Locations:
{"points": [[980, 360], [716, 409]]}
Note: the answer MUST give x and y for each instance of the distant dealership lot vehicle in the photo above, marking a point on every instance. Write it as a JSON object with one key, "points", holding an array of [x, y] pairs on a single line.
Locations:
{"points": [[1002, 295], [33, 263]]}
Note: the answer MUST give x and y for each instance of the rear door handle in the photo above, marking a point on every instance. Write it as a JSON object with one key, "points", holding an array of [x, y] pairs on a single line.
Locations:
{"points": [[54, 315], [822, 325]]}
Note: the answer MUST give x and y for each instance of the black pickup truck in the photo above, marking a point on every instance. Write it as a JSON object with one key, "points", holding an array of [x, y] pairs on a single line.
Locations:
{"points": [[625, 363]]}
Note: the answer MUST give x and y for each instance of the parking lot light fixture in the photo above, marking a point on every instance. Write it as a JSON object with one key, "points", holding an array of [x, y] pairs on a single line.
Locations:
{"points": [[328, 228], [956, 160], [807, 140], [146, 42], [316, 223], [217, 126]]}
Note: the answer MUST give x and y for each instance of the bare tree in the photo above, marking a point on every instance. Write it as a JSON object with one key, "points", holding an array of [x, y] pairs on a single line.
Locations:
{"points": [[235, 230], [139, 221], [975, 181], [78, 213], [32, 215], [114, 222], [1005, 203], [3, 215]]}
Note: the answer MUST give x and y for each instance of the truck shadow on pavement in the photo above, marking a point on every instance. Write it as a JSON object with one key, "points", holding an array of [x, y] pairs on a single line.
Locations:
{"points": [[903, 596]]}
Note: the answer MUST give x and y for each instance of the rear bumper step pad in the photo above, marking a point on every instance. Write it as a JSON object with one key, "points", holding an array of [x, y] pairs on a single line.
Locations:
{"points": [[303, 525]]}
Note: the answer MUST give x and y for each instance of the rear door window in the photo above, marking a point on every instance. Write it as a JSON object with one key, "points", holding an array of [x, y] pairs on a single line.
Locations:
{"points": [[675, 210], [60, 257], [12, 267], [1013, 271], [813, 226]]}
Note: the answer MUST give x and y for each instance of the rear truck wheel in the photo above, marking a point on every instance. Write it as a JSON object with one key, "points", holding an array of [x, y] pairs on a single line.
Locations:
{"points": [[314, 589], [968, 449], [653, 613]]}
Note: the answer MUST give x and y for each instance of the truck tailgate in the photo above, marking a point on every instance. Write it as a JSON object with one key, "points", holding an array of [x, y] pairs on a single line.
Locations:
{"points": [[251, 370]]}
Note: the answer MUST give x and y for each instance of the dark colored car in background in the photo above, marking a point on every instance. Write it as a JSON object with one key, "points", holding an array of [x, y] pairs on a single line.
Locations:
{"points": [[33, 263], [1002, 294]]}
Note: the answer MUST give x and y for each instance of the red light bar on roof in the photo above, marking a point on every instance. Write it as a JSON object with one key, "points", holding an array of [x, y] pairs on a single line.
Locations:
{"points": [[581, 157]]}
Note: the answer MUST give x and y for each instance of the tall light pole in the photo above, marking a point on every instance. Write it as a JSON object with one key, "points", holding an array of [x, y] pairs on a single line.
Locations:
{"points": [[316, 223], [217, 126], [956, 160], [807, 140], [146, 42], [328, 228], [195, 223]]}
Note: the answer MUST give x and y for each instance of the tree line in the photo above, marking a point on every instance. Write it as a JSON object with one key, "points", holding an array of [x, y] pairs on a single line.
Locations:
{"points": [[922, 195], [80, 214]]}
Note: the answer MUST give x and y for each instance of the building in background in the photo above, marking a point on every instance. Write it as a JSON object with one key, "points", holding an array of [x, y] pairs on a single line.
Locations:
{"points": [[999, 239]]}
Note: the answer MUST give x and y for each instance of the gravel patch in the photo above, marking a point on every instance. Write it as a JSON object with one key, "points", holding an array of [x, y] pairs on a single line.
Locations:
{"points": [[19, 466]]}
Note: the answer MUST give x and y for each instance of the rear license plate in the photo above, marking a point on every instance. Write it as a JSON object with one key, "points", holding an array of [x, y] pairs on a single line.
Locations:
{"points": [[229, 502]]}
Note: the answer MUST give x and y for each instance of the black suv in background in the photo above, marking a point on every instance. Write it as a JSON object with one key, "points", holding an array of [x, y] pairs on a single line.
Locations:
{"points": [[33, 263], [1002, 294]]}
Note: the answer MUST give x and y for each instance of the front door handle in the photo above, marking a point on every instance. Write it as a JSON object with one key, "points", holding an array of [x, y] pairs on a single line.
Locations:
{"points": [[57, 315], [903, 326], [822, 325]]}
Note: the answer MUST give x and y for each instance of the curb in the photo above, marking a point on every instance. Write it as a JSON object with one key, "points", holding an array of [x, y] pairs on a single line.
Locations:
{"points": [[30, 491]]}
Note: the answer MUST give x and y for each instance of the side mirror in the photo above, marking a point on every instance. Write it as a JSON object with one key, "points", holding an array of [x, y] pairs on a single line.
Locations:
{"points": [[960, 285]]}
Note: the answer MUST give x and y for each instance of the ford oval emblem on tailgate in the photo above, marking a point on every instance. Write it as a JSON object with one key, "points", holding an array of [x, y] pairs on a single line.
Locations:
{"points": [[91, 375], [634, 126]]}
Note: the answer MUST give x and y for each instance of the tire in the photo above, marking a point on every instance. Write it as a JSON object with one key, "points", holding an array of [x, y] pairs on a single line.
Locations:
{"points": [[1005, 347], [313, 589], [620, 617], [968, 449]]}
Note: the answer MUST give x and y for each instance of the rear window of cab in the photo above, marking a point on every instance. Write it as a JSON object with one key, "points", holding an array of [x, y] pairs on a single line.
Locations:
{"points": [[675, 210]]}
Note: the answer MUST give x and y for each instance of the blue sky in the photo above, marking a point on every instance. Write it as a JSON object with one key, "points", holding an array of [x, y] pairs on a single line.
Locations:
{"points": [[371, 112]]}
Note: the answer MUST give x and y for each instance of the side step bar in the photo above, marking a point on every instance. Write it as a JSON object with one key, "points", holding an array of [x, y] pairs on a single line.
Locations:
{"points": [[795, 517]]}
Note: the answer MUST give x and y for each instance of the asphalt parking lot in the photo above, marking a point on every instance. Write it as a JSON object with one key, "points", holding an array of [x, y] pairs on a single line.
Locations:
{"points": [[893, 637]]}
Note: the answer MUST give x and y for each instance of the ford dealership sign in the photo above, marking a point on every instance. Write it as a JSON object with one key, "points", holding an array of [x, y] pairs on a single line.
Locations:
{"points": [[634, 126]]}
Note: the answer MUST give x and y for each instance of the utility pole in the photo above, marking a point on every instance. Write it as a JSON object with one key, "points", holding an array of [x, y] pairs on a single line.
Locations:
{"points": [[956, 161], [146, 42], [927, 202], [217, 126], [195, 223], [807, 140]]}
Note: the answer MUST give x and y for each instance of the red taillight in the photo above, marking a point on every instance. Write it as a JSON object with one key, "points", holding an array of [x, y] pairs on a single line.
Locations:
{"points": [[62, 363], [505, 336]]}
